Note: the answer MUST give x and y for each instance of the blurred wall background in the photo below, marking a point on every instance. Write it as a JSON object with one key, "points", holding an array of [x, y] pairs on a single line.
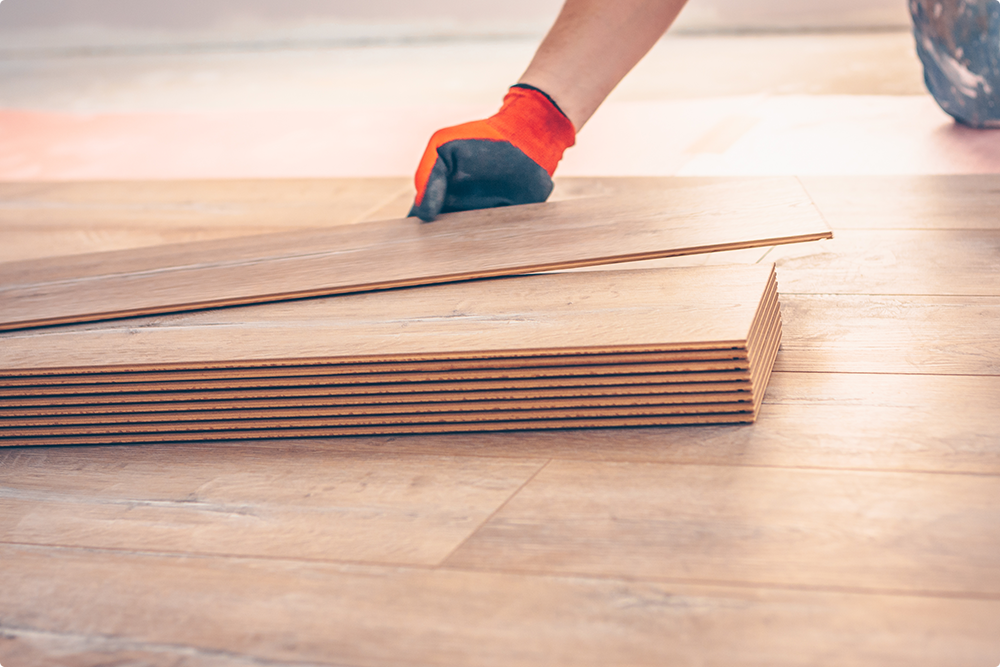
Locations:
{"points": [[98, 24]]}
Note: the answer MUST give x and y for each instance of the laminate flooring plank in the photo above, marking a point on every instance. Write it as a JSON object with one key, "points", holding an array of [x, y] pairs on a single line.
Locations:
{"points": [[577, 187], [30, 647], [317, 421], [885, 334], [899, 262], [404, 252], [97, 377], [334, 369], [892, 532], [651, 310], [841, 421], [64, 218], [415, 402], [284, 432], [236, 611], [377, 393], [684, 370], [184, 415], [907, 202], [334, 504], [377, 372], [693, 381]]}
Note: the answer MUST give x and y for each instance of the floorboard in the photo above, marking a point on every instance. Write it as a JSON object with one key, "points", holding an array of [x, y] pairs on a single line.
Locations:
{"points": [[874, 531], [223, 611], [397, 253], [954, 262], [888, 334], [854, 523], [43, 219], [294, 503], [665, 310]]}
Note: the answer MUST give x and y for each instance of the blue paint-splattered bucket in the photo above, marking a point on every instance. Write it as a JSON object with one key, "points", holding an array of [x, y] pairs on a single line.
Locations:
{"points": [[959, 44]]}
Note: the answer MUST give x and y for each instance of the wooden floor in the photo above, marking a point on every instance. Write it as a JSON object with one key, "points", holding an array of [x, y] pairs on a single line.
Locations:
{"points": [[856, 523]]}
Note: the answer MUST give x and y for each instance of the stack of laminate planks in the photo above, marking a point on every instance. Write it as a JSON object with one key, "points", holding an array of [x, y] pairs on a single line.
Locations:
{"points": [[578, 349], [363, 329]]}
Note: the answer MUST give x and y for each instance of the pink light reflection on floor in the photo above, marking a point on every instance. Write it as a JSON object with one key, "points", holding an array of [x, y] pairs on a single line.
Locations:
{"points": [[719, 136]]}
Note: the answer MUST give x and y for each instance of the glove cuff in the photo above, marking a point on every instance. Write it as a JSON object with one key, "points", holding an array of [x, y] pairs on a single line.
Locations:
{"points": [[532, 121]]}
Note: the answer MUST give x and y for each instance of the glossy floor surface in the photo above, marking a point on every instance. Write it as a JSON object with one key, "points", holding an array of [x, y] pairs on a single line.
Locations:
{"points": [[856, 523], [789, 104]]}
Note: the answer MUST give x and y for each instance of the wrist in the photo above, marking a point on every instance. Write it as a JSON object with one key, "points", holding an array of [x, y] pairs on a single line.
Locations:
{"points": [[533, 122]]}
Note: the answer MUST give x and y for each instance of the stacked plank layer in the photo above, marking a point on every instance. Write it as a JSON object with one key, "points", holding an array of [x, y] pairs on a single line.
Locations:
{"points": [[578, 349]]}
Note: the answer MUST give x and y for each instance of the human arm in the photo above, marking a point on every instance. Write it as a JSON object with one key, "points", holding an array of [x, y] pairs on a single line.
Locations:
{"points": [[510, 157]]}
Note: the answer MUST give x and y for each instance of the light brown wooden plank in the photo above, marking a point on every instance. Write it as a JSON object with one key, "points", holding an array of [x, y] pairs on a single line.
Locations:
{"points": [[900, 262], [334, 368], [379, 371], [44, 219], [885, 334], [318, 420], [404, 252], [187, 416], [763, 336], [333, 505], [412, 402], [28, 647], [597, 385], [650, 310], [528, 379], [809, 420], [875, 530], [236, 611], [907, 202], [409, 427]]}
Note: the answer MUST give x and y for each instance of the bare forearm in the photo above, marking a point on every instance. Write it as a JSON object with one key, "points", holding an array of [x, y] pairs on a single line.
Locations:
{"points": [[592, 46]]}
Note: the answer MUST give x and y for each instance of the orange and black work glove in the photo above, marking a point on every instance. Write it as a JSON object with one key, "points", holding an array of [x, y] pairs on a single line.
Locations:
{"points": [[509, 158]]}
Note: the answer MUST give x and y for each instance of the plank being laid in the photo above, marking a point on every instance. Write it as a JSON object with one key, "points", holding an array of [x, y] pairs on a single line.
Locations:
{"points": [[583, 312], [42, 219], [395, 253]]}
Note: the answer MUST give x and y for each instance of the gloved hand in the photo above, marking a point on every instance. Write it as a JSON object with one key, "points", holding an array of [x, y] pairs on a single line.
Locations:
{"points": [[506, 159]]}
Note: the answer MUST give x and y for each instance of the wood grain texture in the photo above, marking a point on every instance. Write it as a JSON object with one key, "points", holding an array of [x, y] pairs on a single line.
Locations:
{"points": [[843, 421], [955, 262], [841, 518], [331, 505], [404, 252], [876, 531], [44, 219], [762, 351], [886, 334], [654, 310], [237, 611], [907, 202], [759, 336]]}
